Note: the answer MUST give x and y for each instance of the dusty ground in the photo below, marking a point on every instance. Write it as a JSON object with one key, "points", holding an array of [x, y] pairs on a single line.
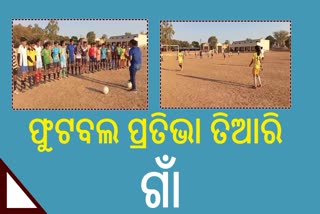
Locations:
{"points": [[85, 92], [215, 82]]}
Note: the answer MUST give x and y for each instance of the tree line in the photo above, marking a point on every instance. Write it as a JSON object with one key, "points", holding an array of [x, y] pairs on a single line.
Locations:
{"points": [[278, 39], [50, 32]]}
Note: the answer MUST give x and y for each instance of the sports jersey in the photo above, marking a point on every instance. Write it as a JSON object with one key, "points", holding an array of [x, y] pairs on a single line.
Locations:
{"points": [[78, 52], [38, 50], [135, 53], [14, 59], [119, 50], [103, 53], [22, 51], [55, 54], [63, 54], [257, 61], [31, 54], [93, 52], [84, 52], [45, 53], [70, 51], [180, 57], [123, 51]]}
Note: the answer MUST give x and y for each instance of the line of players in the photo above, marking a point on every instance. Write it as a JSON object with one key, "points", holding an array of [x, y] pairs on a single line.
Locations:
{"points": [[39, 64]]}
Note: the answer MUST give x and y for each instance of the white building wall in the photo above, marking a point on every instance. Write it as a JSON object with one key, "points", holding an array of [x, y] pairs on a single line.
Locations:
{"points": [[140, 38], [265, 44], [250, 44]]}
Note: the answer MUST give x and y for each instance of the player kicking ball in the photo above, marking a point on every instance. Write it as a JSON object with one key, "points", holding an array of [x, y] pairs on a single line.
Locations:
{"points": [[135, 62]]}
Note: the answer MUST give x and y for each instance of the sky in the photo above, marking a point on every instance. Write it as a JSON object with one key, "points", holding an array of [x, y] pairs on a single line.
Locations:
{"points": [[82, 27], [232, 31]]}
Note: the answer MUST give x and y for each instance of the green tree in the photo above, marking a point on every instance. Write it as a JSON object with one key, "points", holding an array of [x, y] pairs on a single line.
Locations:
{"points": [[271, 41], [195, 44], [127, 34], [227, 42], [63, 38], [19, 31], [52, 29], [212, 42], [167, 32], [38, 32], [288, 42], [91, 36], [281, 37], [184, 44], [74, 38], [104, 37]]}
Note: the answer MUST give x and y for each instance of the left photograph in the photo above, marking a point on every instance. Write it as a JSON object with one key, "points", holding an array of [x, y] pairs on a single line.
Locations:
{"points": [[80, 64]]}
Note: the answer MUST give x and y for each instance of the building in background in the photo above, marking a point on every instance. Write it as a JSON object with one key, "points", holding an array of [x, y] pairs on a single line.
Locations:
{"points": [[221, 48], [124, 39], [249, 44], [205, 47]]}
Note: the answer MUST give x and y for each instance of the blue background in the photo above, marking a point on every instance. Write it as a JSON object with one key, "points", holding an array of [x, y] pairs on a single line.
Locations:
{"points": [[224, 179]]}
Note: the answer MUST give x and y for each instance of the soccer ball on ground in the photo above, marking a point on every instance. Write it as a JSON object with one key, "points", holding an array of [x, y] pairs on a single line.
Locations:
{"points": [[105, 90], [129, 85]]}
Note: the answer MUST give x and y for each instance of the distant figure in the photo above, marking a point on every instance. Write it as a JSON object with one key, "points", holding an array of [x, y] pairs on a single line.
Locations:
{"points": [[70, 53], [32, 61], [256, 59], [84, 53], [55, 53], [23, 61], [262, 53], [238, 52], [98, 57], [200, 54], [180, 60], [39, 66], [103, 57], [78, 56], [118, 54], [92, 57], [46, 59], [63, 59]]}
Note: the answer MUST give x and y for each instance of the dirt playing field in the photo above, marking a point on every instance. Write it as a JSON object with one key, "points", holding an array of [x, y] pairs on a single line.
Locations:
{"points": [[215, 82], [85, 92]]}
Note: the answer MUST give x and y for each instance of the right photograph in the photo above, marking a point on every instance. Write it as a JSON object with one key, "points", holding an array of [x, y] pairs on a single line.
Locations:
{"points": [[225, 64]]}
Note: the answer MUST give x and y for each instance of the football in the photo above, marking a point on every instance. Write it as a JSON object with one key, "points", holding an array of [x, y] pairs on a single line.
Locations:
{"points": [[105, 90], [129, 85]]}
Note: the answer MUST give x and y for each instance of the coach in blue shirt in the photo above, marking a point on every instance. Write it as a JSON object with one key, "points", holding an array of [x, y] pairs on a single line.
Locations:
{"points": [[135, 62]]}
